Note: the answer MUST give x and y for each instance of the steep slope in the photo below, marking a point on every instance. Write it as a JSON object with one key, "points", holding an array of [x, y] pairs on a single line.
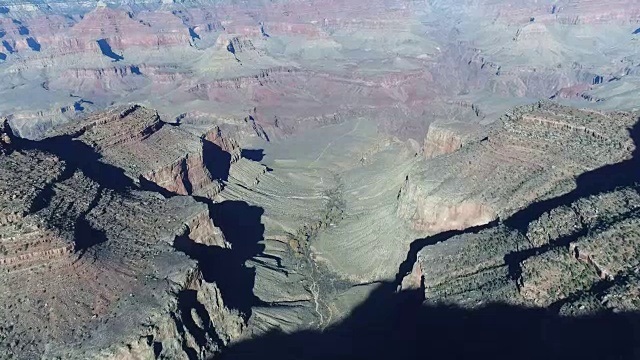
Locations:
{"points": [[569, 249], [535, 152], [572, 258], [88, 264], [541, 280]]}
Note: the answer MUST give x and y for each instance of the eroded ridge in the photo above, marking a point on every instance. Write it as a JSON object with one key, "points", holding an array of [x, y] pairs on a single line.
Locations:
{"points": [[86, 254], [570, 249]]}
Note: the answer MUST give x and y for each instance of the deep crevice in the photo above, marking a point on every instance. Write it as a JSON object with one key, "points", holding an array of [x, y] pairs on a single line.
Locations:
{"points": [[412, 256], [242, 228], [204, 334], [216, 160]]}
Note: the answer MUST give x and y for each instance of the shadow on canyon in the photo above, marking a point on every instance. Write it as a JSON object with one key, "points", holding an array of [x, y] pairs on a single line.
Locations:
{"points": [[256, 155], [216, 160], [392, 325], [107, 51], [203, 333], [598, 181], [242, 228], [78, 156], [412, 256], [239, 222]]}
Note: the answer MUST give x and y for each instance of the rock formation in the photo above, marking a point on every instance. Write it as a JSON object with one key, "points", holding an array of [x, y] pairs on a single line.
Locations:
{"points": [[444, 139], [173, 56], [6, 135], [87, 256], [156, 272], [535, 152]]}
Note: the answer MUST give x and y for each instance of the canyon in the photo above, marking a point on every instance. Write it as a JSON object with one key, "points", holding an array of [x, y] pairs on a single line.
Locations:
{"points": [[319, 179]]}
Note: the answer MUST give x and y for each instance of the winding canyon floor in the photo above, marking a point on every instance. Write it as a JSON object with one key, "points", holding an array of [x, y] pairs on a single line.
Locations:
{"points": [[319, 216]]}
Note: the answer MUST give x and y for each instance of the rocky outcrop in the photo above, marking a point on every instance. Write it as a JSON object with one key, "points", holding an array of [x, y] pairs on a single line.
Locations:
{"points": [[6, 136], [444, 139], [176, 158], [573, 262], [202, 230], [83, 251], [235, 44], [535, 151], [227, 144], [191, 174], [435, 215], [116, 127], [568, 250], [197, 325], [185, 176]]}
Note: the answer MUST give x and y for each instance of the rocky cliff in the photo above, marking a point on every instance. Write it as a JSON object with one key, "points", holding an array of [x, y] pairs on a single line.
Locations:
{"points": [[569, 249], [6, 135], [155, 272], [574, 258], [85, 276], [181, 160], [88, 255], [444, 139], [536, 151]]}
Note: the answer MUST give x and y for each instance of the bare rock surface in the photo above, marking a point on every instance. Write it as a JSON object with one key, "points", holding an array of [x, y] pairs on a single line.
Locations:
{"points": [[562, 250], [5, 137], [535, 152], [89, 267], [446, 138]]}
